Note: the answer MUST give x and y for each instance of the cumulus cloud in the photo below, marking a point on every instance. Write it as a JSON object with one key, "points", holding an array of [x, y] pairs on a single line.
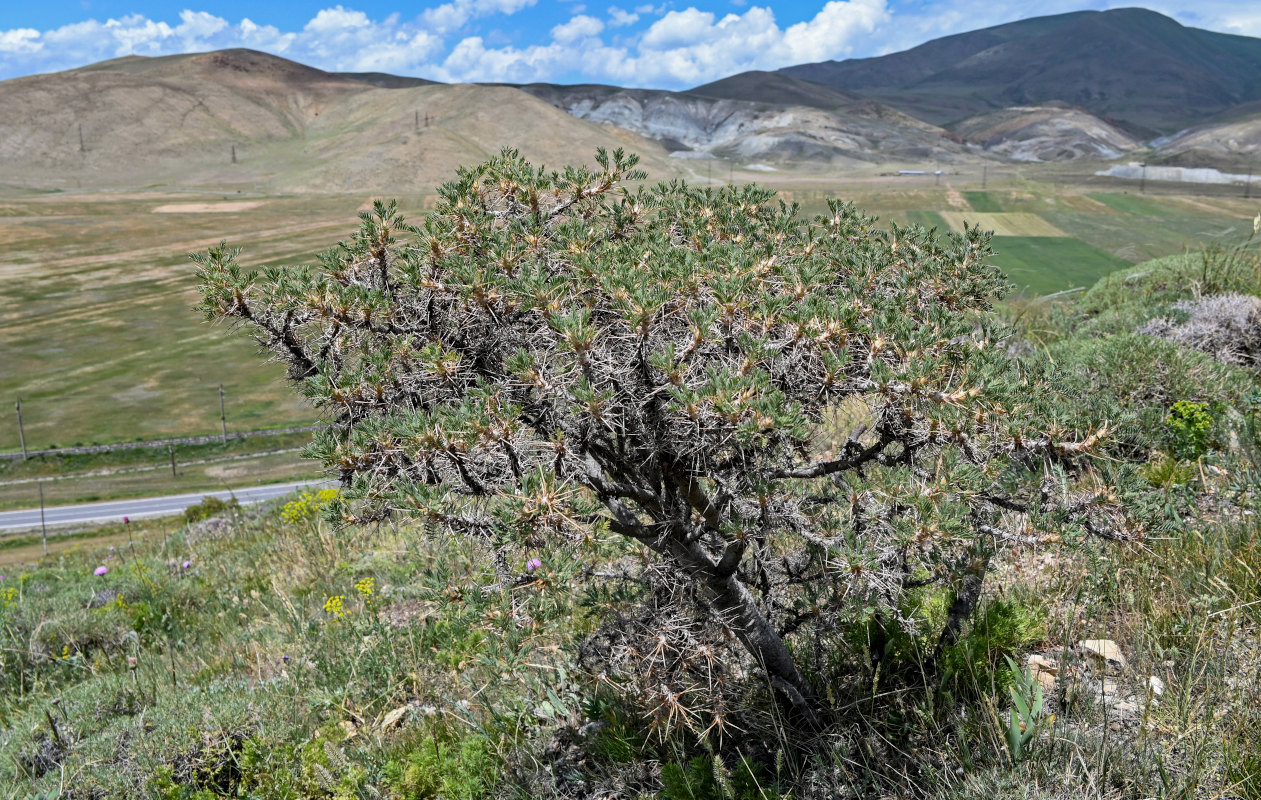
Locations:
{"points": [[619, 18], [683, 47], [453, 15], [579, 27], [336, 38], [20, 40]]}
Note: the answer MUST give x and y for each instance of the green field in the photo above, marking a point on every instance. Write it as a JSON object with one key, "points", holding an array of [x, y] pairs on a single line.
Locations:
{"points": [[1131, 204], [1045, 264], [983, 201], [101, 343], [929, 219]]}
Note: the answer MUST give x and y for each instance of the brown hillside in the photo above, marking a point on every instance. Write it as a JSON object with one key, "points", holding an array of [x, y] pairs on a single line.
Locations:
{"points": [[174, 120], [1046, 133]]}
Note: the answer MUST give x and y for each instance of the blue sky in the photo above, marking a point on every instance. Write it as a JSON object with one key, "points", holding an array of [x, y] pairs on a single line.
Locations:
{"points": [[655, 43]]}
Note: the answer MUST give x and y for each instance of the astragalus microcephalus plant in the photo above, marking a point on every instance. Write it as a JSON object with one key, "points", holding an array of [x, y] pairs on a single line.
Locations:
{"points": [[556, 354]]}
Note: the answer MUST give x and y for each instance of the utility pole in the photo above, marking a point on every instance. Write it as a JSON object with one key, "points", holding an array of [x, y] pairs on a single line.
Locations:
{"points": [[21, 430], [171, 452], [42, 526], [1247, 187], [223, 418], [416, 124], [1142, 183], [82, 148], [233, 154]]}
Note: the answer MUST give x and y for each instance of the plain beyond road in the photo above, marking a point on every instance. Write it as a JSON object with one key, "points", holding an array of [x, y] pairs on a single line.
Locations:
{"points": [[141, 507]]}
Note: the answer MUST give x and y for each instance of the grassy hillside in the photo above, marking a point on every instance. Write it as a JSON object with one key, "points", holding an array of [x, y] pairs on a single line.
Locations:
{"points": [[1132, 66], [269, 655]]}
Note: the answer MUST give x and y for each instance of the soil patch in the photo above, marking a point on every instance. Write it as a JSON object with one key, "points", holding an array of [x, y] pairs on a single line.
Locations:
{"points": [[208, 208]]}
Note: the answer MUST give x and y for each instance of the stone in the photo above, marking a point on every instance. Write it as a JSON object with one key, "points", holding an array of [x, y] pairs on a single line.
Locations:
{"points": [[1155, 685], [1043, 670], [394, 717], [1104, 650]]}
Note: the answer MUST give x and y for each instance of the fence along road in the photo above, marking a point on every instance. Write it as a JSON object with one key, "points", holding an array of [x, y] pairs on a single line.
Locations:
{"points": [[153, 444], [142, 507]]}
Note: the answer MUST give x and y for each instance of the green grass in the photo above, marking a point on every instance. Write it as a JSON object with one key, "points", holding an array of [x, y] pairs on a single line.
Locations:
{"points": [[929, 219], [982, 201], [1134, 204], [101, 342], [236, 673], [1027, 261], [102, 345]]}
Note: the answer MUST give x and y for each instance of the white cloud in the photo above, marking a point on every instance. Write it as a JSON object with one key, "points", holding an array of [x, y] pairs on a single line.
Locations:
{"points": [[337, 19], [335, 38], [619, 18], [199, 24], [450, 16], [578, 28], [20, 40]]}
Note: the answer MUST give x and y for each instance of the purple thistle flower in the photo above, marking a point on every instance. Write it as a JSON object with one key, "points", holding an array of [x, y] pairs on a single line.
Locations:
{"points": [[126, 521], [186, 564], [285, 658], [533, 564], [101, 570]]}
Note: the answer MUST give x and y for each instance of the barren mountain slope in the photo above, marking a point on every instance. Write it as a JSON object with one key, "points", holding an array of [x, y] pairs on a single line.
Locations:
{"points": [[175, 120], [815, 124], [1233, 144], [1046, 133]]}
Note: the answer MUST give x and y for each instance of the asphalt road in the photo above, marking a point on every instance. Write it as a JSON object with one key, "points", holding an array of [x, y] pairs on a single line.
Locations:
{"points": [[141, 507]]}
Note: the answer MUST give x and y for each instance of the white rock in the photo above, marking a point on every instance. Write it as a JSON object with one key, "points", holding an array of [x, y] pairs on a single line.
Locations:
{"points": [[394, 717], [1155, 685], [1043, 670], [1105, 650]]}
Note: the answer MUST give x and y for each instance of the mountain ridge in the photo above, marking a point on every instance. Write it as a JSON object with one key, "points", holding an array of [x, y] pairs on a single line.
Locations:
{"points": [[1132, 67]]}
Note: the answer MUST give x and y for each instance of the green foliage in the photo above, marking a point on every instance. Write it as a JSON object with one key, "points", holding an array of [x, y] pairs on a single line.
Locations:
{"points": [[462, 768], [707, 777], [1190, 428], [1026, 714], [1003, 628], [693, 780], [208, 507], [1168, 472]]}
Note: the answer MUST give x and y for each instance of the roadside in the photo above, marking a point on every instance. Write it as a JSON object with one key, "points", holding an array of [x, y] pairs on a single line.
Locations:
{"points": [[67, 479], [141, 507]]}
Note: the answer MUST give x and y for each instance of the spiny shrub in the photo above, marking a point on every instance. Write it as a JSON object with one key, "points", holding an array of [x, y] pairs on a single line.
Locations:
{"points": [[556, 355]]}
